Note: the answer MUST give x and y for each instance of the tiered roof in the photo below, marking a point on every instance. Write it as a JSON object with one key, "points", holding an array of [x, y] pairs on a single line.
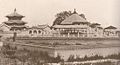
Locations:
{"points": [[14, 14], [14, 18], [15, 21]]}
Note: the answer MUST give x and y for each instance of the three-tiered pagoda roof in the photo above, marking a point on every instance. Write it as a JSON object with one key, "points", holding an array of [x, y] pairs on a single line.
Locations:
{"points": [[15, 21], [15, 18]]}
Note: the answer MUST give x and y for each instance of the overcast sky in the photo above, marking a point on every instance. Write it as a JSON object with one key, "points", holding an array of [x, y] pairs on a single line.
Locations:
{"points": [[105, 12]]}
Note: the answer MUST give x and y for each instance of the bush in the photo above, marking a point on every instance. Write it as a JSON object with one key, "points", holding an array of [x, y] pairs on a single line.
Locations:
{"points": [[96, 57]]}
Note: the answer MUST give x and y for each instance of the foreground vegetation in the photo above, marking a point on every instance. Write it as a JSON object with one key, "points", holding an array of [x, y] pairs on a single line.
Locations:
{"points": [[16, 56], [24, 56], [96, 57]]}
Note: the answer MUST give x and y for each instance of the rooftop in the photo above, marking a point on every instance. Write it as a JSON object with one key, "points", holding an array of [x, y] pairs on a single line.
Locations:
{"points": [[75, 17], [40, 26], [14, 14], [111, 27], [15, 21]]}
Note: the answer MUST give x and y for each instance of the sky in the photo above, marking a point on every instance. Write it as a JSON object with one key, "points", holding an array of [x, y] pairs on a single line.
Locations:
{"points": [[39, 12]]}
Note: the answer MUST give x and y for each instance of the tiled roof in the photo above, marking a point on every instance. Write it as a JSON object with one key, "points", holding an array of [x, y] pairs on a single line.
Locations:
{"points": [[33, 27], [73, 18], [93, 25], [14, 14], [3, 24], [19, 26], [43, 26], [40, 26], [15, 21], [100, 27], [111, 27]]}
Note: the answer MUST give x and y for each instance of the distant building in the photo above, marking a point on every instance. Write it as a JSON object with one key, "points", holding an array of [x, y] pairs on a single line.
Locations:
{"points": [[118, 33], [73, 26], [15, 22], [110, 31], [96, 30], [40, 31], [78, 26], [72, 37]]}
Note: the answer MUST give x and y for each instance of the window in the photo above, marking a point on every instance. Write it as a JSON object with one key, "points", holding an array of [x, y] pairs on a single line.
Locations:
{"points": [[30, 32], [39, 31]]}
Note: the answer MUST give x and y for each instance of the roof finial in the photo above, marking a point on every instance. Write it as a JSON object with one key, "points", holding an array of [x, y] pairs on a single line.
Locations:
{"points": [[15, 10], [75, 11]]}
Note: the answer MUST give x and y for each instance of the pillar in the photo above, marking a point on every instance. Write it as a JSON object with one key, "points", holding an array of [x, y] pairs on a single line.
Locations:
{"points": [[68, 34], [78, 34]]}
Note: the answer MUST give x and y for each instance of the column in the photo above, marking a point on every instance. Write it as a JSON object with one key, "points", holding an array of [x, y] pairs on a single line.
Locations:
{"points": [[68, 34], [78, 34]]}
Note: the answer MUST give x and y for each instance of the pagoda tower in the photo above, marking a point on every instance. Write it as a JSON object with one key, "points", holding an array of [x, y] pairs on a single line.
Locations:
{"points": [[15, 22]]}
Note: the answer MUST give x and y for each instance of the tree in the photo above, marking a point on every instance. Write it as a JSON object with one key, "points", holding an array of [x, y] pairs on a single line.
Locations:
{"points": [[82, 15], [9, 52], [22, 55], [61, 16], [71, 58], [85, 58], [36, 56], [58, 59], [78, 58]]}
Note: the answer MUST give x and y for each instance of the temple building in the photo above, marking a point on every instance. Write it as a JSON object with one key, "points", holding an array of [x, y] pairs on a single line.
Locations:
{"points": [[78, 26], [40, 31], [111, 31], [95, 30], [75, 25], [13, 25], [15, 22], [37, 31]]}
